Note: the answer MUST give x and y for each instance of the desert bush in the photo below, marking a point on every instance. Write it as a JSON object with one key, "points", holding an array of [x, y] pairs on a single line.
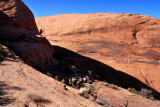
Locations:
{"points": [[145, 93], [70, 82], [83, 84], [3, 53], [63, 81], [91, 87], [131, 89], [49, 74], [87, 90], [113, 86]]}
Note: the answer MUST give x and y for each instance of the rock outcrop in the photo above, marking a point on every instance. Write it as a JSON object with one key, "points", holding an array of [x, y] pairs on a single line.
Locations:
{"points": [[19, 32], [16, 13], [129, 43]]}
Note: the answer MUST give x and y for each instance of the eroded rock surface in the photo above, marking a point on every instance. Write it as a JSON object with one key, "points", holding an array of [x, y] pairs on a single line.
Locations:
{"points": [[128, 43], [16, 13], [19, 32], [23, 86]]}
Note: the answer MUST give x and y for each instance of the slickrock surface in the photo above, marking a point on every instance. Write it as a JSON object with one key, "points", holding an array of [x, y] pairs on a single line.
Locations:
{"points": [[23, 86], [121, 98], [19, 32], [128, 43]]}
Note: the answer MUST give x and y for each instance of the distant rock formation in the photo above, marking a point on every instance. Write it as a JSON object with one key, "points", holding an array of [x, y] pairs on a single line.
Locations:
{"points": [[129, 43], [19, 32]]}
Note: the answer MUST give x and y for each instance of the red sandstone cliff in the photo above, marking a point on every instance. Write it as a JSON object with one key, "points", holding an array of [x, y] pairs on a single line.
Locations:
{"points": [[127, 42], [21, 85]]}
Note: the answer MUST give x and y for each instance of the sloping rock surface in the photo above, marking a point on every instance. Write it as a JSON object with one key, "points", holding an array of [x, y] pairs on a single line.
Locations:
{"points": [[128, 43], [23, 86], [19, 32], [119, 97]]}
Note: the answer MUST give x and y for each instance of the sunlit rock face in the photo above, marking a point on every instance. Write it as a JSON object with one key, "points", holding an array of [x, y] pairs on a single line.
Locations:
{"points": [[18, 31], [16, 13], [129, 43]]}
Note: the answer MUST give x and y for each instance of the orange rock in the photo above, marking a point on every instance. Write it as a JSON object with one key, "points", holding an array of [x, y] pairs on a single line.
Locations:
{"points": [[129, 43], [23, 86], [16, 13], [19, 32]]}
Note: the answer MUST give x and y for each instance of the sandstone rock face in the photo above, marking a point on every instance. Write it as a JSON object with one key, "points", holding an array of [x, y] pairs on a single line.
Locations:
{"points": [[126, 42], [19, 32], [16, 13]]}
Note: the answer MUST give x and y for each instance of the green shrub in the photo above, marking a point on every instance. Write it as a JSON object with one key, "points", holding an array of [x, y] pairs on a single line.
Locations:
{"points": [[131, 89], [63, 81], [91, 88], [114, 86], [70, 82], [49, 74], [83, 84]]}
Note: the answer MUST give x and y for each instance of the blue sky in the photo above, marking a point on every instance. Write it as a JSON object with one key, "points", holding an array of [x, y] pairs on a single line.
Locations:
{"points": [[53, 7]]}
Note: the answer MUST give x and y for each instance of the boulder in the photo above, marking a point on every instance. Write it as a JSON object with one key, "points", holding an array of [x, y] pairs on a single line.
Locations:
{"points": [[16, 13], [19, 32]]}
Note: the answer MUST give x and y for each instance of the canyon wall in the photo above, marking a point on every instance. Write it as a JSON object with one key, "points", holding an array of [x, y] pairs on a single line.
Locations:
{"points": [[129, 43]]}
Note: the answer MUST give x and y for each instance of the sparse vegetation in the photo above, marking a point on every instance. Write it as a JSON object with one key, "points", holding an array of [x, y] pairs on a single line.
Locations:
{"points": [[57, 78], [87, 90], [3, 53], [63, 81], [49, 74], [113, 86], [131, 90], [143, 92]]}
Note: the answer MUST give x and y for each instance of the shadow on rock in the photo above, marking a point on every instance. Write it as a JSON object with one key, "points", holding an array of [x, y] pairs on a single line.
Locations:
{"points": [[101, 71], [5, 98]]}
